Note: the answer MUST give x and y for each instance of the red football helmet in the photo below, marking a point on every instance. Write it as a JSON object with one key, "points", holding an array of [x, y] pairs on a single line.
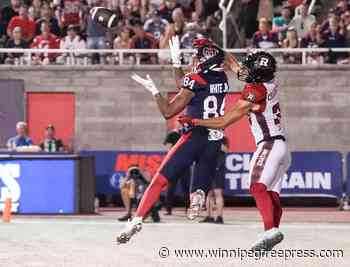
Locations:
{"points": [[208, 55]]}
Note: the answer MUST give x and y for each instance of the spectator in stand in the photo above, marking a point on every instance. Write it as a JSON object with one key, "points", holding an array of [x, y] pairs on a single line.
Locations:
{"points": [[335, 38], [248, 17], [346, 22], [211, 7], [46, 40], [7, 13], [313, 40], [280, 24], [46, 14], [70, 13], [50, 142], [71, 42], [125, 13], [16, 42], [24, 22], [192, 9], [342, 7], [96, 39], [175, 28], [123, 41], [138, 9], [325, 25], [295, 3], [191, 32], [143, 40], [212, 30], [156, 25], [264, 38], [166, 10], [84, 15], [298, 8], [21, 139], [303, 23], [291, 41], [34, 9]]}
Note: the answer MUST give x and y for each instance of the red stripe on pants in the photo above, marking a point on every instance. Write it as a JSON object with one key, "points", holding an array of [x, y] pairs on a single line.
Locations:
{"points": [[159, 182]]}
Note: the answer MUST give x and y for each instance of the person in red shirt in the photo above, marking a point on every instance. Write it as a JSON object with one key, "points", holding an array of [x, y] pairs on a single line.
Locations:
{"points": [[46, 40], [71, 12], [143, 40], [24, 22], [295, 3]]}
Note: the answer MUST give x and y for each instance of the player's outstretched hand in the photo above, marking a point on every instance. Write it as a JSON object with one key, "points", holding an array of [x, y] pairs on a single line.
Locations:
{"points": [[175, 51], [185, 120], [147, 83]]}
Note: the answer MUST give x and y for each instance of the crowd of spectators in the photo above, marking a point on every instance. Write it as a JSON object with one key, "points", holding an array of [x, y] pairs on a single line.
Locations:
{"points": [[67, 24], [147, 24], [297, 27]]}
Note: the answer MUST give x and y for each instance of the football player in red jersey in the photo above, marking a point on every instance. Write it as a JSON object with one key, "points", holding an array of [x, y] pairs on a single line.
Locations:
{"points": [[259, 100]]}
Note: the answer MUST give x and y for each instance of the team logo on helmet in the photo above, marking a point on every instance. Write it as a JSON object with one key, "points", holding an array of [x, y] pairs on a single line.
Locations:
{"points": [[264, 62], [251, 97], [209, 52]]}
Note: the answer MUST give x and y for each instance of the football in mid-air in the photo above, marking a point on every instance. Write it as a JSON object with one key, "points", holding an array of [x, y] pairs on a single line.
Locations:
{"points": [[104, 16]]}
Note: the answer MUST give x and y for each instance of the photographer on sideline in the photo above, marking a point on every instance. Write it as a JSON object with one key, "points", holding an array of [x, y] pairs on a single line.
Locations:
{"points": [[132, 188]]}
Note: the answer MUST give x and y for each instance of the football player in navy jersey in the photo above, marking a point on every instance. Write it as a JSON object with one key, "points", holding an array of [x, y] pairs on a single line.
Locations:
{"points": [[202, 96]]}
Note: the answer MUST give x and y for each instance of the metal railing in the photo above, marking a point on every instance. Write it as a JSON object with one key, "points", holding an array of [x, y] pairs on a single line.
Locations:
{"points": [[162, 55]]}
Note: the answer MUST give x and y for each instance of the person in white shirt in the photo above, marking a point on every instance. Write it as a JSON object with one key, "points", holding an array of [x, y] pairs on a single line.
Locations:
{"points": [[302, 24], [71, 42]]}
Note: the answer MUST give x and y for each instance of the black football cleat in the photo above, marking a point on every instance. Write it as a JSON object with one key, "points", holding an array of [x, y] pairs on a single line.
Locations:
{"points": [[207, 219]]}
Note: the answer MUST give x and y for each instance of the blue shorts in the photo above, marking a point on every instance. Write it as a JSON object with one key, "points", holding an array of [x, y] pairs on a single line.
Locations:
{"points": [[193, 146]]}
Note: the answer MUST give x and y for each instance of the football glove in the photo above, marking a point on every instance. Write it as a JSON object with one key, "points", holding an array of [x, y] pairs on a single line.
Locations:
{"points": [[147, 83], [186, 121], [175, 51]]}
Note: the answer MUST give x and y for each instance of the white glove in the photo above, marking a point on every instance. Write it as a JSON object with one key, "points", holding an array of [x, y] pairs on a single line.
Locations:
{"points": [[175, 51], [147, 83]]}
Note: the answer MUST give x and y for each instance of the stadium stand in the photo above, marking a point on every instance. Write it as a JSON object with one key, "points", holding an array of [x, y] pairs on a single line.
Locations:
{"points": [[290, 24]]}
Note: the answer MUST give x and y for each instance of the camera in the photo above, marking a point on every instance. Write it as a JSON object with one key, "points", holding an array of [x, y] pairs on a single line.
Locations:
{"points": [[134, 172]]}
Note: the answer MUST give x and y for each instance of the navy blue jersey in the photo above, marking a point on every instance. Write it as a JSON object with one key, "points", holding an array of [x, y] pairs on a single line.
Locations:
{"points": [[210, 89]]}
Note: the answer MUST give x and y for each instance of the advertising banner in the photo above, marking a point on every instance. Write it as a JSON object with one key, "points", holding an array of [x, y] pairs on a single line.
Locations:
{"points": [[317, 174], [38, 186], [112, 165], [310, 173]]}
